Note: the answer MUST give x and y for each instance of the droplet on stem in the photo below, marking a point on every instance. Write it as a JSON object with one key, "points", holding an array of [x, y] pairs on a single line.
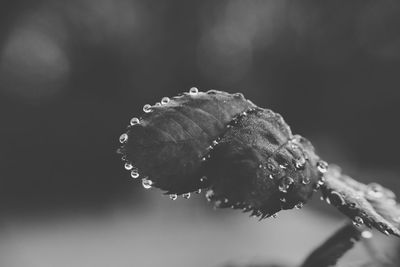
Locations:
{"points": [[173, 196], [186, 195]]}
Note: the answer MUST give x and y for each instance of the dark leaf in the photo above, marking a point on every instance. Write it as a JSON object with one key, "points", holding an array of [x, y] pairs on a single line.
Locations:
{"points": [[259, 166], [372, 205], [168, 143]]}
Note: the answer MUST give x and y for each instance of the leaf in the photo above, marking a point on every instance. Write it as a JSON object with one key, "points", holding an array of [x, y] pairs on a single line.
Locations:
{"points": [[259, 166], [335, 247], [168, 143], [372, 205]]}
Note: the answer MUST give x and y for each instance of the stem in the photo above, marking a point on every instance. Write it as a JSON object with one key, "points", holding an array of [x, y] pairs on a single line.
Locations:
{"points": [[328, 253]]}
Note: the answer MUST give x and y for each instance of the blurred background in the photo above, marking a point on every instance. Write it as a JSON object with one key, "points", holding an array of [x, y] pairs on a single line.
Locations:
{"points": [[73, 73]]}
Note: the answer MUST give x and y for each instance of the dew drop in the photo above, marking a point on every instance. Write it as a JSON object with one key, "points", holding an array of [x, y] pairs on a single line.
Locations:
{"points": [[275, 216], [260, 166], [203, 179], [306, 180], [158, 104], [193, 91], [283, 200], [358, 221], [123, 138], [147, 108], [322, 166], [270, 176], [198, 191], [164, 100], [134, 121], [173, 196], [217, 204], [215, 142], [366, 234], [128, 166], [270, 167], [374, 191], [300, 163], [147, 183], [209, 194], [321, 181], [283, 166], [336, 199], [186, 195], [299, 205], [134, 173], [226, 200], [285, 184], [386, 232]]}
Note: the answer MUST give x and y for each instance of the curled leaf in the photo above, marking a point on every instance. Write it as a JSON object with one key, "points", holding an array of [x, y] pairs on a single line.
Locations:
{"points": [[372, 205], [259, 166], [165, 147]]}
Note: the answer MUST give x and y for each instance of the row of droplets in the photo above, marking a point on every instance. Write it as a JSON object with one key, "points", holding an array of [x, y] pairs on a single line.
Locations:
{"points": [[134, 172]]}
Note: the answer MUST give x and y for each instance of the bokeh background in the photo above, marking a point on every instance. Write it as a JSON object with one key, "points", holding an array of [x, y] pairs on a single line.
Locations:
{"points": [[72, 74]]}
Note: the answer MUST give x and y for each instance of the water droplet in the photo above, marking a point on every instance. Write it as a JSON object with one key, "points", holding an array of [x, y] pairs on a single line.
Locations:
{"points": [[128, 166], [366, 234], [321, 181], [215, 142], [299, 205], [358, 221], [198, 191], [134, 121], [186, 195], [203, 179], [285, 184], [322, 166], [193, 91], [270, 176], [173, 196], [374, 190], [238, 95], [158, 104], [306, 180], [203, 159], [275, 216], [386, 232], [226, 200], [123, 138], [300, 163], [164, 100], [147, 183], [336, 199], [260, 166], [283, 200], [327, 200], [283, 166], [270, 167], [147, 108], [209, 194], [217, 204], [134, 173]]}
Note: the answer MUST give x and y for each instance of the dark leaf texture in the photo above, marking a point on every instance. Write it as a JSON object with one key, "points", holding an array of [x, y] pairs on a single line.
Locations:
{"points": [[372, 205], [246, 156]]}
